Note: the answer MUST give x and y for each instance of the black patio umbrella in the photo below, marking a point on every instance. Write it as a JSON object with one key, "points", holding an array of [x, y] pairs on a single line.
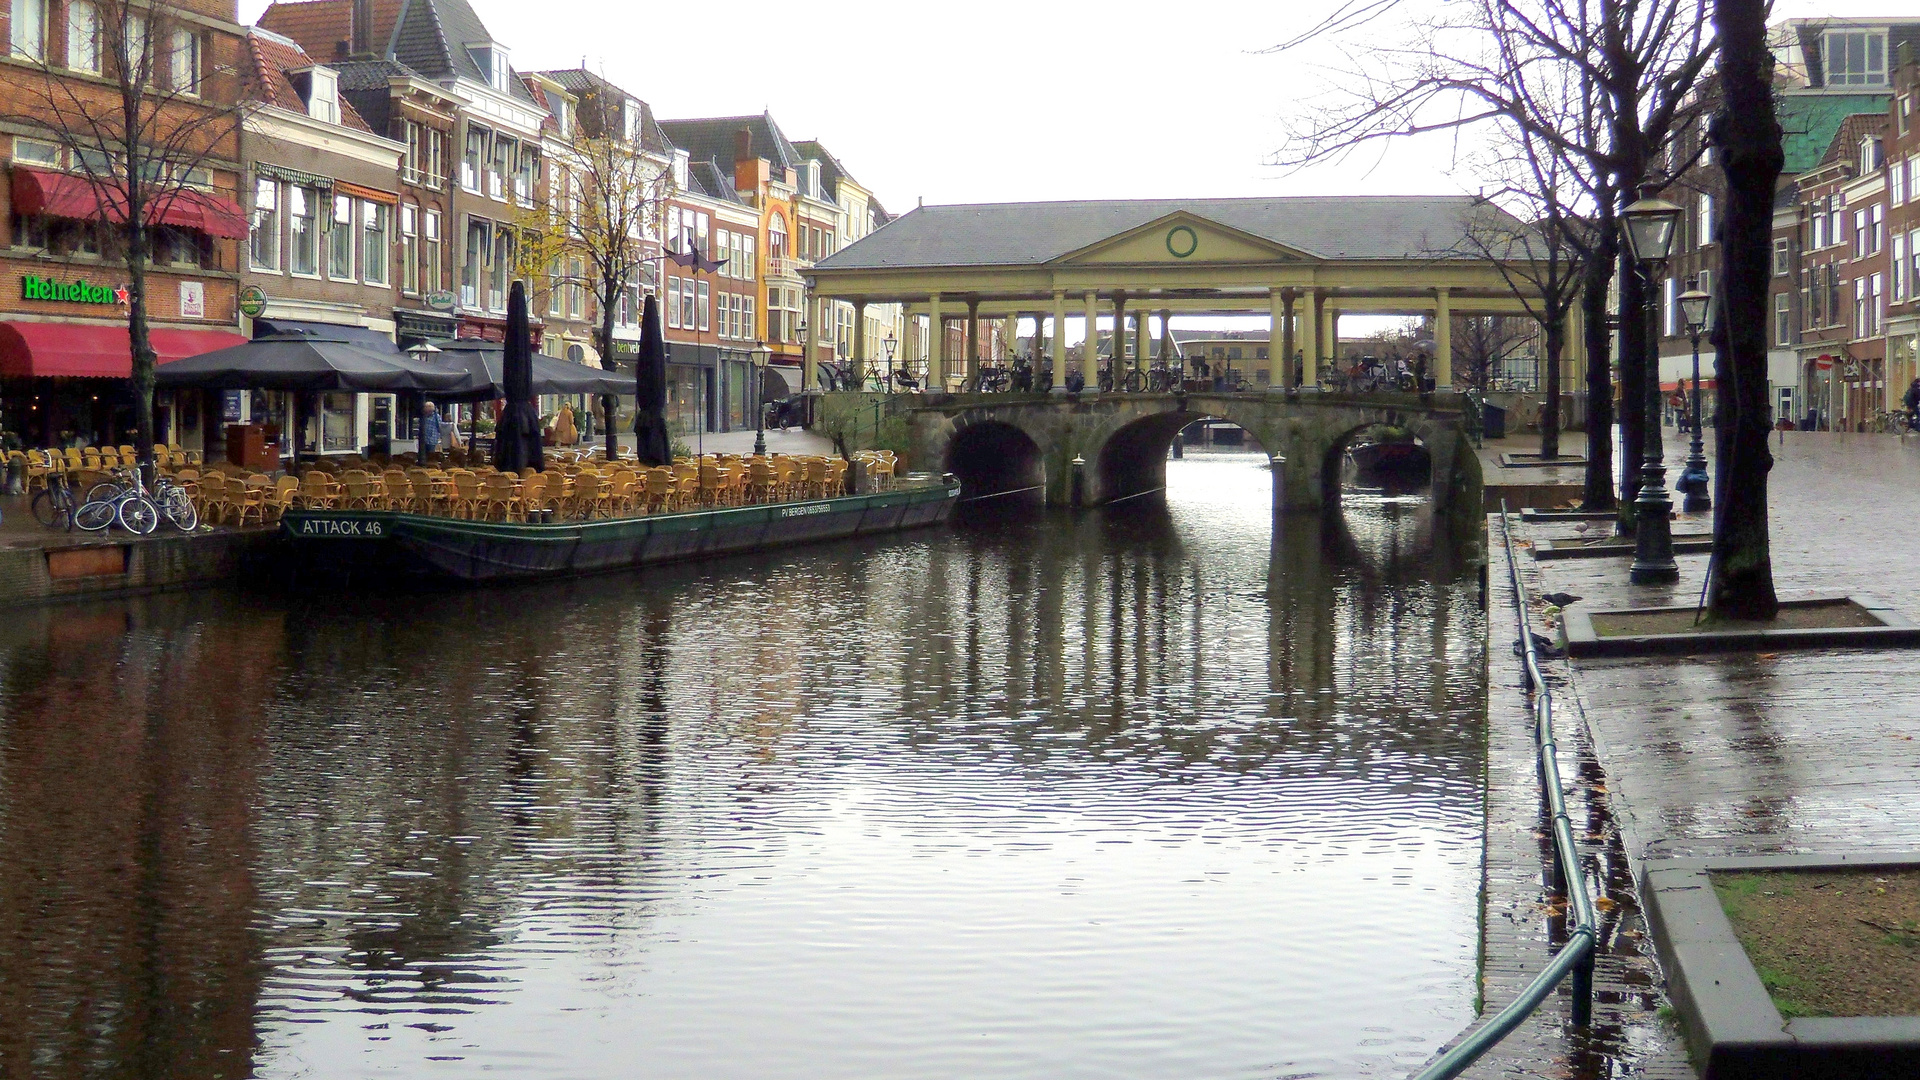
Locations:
{"points": [[651, 442], [516, 439], [482, 362], [303, 363]]}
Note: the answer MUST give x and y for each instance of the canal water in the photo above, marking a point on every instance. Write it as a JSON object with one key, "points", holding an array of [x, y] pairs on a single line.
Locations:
{"points": [[1156, 792]]}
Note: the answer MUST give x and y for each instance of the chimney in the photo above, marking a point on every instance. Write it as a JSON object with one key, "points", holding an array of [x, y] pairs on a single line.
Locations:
{"points": [[749, 172], [360, 26], [742, 146]]}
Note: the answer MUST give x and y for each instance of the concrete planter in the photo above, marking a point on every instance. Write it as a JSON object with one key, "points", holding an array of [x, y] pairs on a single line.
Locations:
{"points": [[1731, 1024], [1894, 631]]}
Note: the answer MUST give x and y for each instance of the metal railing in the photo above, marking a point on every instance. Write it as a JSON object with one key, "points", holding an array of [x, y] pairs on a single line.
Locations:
{"points": [[1576, 956]]}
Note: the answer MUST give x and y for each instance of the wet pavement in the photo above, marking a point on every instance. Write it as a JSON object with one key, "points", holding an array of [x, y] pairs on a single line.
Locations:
{"points": [[1754, 753]]}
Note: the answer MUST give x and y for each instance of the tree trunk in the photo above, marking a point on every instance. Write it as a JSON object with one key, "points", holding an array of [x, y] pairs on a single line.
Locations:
{"points": [[1556, 329], [140, 351], [607, 300], [1599, 348], [1748, 134], [1633, 385]]}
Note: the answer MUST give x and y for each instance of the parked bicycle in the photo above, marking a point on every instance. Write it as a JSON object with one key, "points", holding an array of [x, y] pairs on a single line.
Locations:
{"points": [[53, 505], [127, 502]]}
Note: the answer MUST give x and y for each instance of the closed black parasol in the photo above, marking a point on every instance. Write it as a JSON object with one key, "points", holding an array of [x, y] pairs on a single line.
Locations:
{"points": [[651, 442], [516, 440]]}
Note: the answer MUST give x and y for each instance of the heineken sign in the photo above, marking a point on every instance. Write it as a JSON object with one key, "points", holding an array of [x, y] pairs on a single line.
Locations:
{"points": [[71, 292]]}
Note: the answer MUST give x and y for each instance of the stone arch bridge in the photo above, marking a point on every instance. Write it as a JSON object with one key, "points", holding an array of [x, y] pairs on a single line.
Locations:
{"points": [[1001, 442]]}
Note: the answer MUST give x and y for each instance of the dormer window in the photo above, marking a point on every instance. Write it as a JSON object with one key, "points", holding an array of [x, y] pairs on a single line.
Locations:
{"points": [[1869, 155], [322, 91], [559, 109], [632, 114], [491, 59], [1855, 57]]}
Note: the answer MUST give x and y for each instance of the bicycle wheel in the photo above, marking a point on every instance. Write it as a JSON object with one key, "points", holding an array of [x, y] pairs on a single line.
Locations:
{"points": [[138, 515], [94, 516], [104, 490], [49, 512], [178, 508]]}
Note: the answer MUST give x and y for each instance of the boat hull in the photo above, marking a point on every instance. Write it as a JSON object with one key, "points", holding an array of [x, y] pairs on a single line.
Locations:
{"points": [[449, 549]]}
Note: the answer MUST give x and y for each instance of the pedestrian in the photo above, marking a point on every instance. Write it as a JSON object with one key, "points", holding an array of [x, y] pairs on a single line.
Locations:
{"points": [[1420, 372], [565, 433], [429, 429], [1912, 402]]}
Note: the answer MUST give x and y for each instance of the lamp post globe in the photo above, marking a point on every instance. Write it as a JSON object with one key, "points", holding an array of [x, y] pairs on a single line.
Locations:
{"points": [[890, 343], [761, 352], [1693, 479], [1649, 224]]}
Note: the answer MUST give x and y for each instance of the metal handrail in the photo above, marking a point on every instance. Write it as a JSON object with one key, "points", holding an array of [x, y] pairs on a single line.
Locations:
{"points": [[1576, 956]]}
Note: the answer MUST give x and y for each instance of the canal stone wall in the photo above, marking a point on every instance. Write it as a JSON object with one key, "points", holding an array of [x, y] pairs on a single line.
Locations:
{"points": [[997, 442], [64, 568]]}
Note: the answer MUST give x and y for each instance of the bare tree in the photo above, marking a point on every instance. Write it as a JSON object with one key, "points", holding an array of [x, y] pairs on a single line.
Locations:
{"points": [[146, 128], [601, 215], [1747, 131], [1482, 344], [1540, 251], [1637, 63]]}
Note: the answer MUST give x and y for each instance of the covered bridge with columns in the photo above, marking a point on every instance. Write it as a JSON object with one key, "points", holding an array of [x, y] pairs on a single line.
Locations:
{"points": [[1303, 261]]}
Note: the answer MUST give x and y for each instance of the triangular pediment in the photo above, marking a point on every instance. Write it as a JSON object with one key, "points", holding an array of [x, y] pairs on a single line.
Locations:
{"points": [[1179, 239]]}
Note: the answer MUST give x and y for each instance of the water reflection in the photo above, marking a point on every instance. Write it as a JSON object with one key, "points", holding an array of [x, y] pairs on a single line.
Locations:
{"points": [[1159, 792]]}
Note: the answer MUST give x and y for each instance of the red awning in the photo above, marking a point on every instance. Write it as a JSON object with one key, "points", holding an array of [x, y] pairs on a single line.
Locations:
{"points": [[63, 195], [94, 350]]}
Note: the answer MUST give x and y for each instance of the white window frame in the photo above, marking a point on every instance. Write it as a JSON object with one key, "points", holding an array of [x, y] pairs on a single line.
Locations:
{"points": [[703, 307], [376, 242], [309, 198], [1868, 74], [83, 37], [266, 191], [183, 63], [673, 302], [339, 225], [49, 155], [409, 249], [1782, 318], [1899, 263], [1782, 256], [29, 29]]}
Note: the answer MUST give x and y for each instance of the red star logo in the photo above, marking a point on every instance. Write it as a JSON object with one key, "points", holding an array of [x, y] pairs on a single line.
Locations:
{"points": [[120, 294]]}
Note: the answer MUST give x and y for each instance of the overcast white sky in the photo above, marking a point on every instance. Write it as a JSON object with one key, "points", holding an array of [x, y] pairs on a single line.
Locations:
{"points": [[995, 99], [999, 100]]}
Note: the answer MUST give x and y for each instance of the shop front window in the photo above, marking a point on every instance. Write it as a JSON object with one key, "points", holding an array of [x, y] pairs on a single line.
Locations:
{"points": [[337, 428]]}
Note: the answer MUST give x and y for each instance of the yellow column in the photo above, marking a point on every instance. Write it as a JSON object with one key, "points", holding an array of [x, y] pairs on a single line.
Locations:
{"points": [[1330, 332], [859, 344], [1059, 347], [936, 346], [973, 337], [1140, 339], [1310, 338], [1442, 340], [1277, 336], [1090, 348]]}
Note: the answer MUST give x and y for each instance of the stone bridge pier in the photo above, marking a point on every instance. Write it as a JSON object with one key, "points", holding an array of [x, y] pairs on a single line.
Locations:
{"points": [[1004, 442]]}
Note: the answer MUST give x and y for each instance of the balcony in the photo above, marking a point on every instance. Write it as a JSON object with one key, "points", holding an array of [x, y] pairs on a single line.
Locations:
{"points": [[786, 266]]}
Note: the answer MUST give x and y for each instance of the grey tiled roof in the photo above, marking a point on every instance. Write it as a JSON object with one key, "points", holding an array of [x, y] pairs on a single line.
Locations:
{"points": [[712, 180], [432, 37], [711, 139], [1030, 234], [584, 84]]}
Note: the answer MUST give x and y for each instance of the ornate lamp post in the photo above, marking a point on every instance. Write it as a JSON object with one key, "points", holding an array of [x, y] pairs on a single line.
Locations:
{"points": [[1694, 480], [889, 343], [761, 352], [1649, 225]]}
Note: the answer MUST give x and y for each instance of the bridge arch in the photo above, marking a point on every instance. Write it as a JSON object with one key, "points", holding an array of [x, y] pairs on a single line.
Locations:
{"points": [[992, 456], [1120, 441]]}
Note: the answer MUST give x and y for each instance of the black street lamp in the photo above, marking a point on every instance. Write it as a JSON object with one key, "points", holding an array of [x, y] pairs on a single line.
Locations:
{"points": [[1694, 480], [1649, 225], [761, 352], [890, 343]]}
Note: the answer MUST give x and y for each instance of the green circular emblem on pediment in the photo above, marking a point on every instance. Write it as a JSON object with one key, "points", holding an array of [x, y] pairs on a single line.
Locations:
{"points": [[1182, 241]]}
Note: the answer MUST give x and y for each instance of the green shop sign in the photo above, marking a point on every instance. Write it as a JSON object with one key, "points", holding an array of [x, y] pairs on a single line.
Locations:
{"points": [[75, 292]]}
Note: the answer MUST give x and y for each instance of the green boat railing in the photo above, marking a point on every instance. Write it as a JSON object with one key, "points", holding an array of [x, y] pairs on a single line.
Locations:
{"points": [[1576, 956]]}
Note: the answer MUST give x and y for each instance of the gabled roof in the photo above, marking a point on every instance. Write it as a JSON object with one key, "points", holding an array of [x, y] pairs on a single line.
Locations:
{"points": [[712, 139], [1845, 144], [1808, 123], [1036, 233], [269, 58], [831, 171], [586, 85], [713, 180], [429, 36], [433, 37]]}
